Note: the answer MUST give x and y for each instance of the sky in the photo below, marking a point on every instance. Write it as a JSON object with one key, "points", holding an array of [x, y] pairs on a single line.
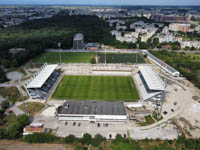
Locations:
{"points": [[104, 2]]}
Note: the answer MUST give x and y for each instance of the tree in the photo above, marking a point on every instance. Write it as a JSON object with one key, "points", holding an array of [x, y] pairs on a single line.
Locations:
{"points": [[155, 41], [97, 140], [40, 138], [69, 139], [87, 138], [22, 121], [5, 104], [2, 113]]}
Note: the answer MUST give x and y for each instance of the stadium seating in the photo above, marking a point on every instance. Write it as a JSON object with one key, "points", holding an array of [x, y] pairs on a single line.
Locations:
{"points": [[44, 91]]}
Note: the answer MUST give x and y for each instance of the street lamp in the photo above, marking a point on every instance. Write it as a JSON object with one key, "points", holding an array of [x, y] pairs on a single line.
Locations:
{"points": [[59, 45]]}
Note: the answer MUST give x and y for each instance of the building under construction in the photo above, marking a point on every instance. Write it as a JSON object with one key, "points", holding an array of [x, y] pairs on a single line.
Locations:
{"points": [[78, 42]]}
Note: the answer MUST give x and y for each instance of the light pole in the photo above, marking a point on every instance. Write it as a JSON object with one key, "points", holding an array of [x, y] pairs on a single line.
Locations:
{"points": [[59, 45], [105, 55]]}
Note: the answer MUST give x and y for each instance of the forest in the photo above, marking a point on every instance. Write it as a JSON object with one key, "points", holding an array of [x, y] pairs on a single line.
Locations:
{"points": [[37, 35], [187, 64]]}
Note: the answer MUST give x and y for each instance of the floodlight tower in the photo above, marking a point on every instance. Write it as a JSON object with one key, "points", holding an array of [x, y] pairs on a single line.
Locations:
{"points": [[59, 45], [105, 55], [137, 54]]}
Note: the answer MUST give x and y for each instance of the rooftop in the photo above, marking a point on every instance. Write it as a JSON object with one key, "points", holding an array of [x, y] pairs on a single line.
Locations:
{"points": [[30, 129], [41, 78], [92, 108], [171, 69], [154, 82]]}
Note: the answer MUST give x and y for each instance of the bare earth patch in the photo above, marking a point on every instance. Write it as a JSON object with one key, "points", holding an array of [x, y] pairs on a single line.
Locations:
{"points": [[16, 145]]}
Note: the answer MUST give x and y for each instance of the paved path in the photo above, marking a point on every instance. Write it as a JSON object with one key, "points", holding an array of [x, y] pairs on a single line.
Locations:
{"points": [[16, 110]]}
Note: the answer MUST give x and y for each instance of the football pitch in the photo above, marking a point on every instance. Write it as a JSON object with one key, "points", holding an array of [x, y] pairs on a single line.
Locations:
{"points": [[100, 88], [121, 58], [66, 57]]}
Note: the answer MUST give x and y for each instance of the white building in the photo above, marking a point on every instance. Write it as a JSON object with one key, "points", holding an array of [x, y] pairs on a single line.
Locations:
{"points": [[190, 44], [92, 111], [119, 27]]}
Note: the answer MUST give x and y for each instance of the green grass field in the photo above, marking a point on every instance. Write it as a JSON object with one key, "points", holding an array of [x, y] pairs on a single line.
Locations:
{"points": [[110, 88], [67, 57], [121, 58]]}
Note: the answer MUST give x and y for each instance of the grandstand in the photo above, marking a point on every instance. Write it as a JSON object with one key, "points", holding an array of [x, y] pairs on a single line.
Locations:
{"points": [[98, 69], [41, 83], [150, 85], [173, 72]]}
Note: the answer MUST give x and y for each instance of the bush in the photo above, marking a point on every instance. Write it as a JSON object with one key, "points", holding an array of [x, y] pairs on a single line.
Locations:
{"points": [[87, 139], [119, 139], [5, 104], [40, 138], [70, 139], [16, 128], [22, 121], [81, 148], [97, 140]]}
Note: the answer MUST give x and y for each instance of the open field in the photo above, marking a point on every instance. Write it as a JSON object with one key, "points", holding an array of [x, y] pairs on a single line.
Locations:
{"points": [[32, 107], [11, 94], [121, 58], [112, 88], [66, 57]]}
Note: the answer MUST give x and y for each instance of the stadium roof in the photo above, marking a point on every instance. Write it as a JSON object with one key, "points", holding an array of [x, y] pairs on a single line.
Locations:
{"points": [[153, 81], [169, 68], [41, 78], [92, 108]]}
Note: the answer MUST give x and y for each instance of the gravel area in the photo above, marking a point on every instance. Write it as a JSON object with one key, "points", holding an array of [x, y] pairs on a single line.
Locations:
{"points": [[14, 75]]}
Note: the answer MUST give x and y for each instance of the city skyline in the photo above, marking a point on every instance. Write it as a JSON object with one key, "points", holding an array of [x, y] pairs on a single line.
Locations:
{"points": [[100, 2]]}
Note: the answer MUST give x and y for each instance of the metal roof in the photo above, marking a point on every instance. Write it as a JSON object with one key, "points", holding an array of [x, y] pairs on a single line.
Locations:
{"points": [[92, 108], [163, 64], [154, 82], [41, 78]]}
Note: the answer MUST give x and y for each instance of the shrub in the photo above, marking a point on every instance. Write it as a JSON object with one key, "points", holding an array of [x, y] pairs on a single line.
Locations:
{"points": [[40, 138], [5, 104], [119, 139], [97, 140], [81, 148], [87, 138], [70, 139]]}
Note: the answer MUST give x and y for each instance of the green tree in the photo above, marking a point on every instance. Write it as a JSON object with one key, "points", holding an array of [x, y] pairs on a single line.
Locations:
{"points": [[87, 138], [70, 139], [96, 141], [5, 104], [40, 138]]}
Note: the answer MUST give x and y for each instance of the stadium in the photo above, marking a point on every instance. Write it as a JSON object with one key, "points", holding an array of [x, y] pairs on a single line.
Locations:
{"points": [[96, 92]]}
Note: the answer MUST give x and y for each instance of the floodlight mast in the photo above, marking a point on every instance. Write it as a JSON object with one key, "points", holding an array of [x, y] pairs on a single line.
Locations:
{"points": [[105, 55], [136, 54], [59, 45]]}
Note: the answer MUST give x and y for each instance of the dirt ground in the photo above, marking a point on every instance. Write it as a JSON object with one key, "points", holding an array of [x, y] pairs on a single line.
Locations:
{"points": [[16, 145]]}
